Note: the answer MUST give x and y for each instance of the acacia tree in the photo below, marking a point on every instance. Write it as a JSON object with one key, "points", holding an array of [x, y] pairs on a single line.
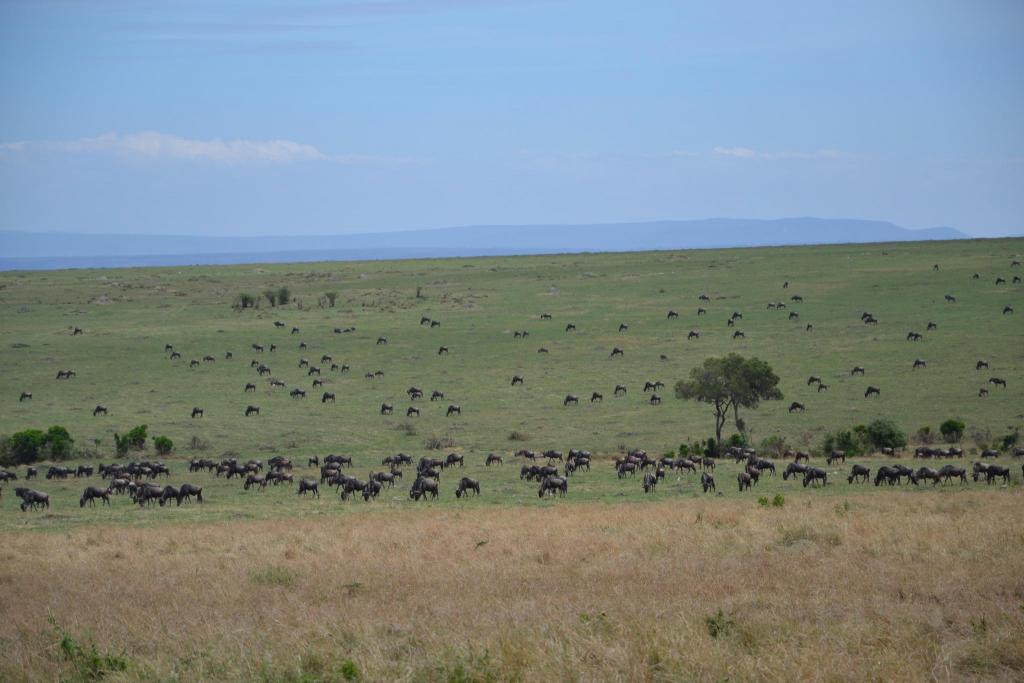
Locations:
{"points": [[729, 383]]}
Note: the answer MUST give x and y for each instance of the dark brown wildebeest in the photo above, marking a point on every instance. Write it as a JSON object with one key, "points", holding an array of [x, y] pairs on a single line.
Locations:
{"points": [[623, 327], [702, 311], [91, 494], [596, 397], [98, 410], [983, 392], [31, 473], [989, 453], [793, 315], [342, 460], [542, 350], [250, 387], [796, 406], [932, 325], [1007, 310], [650, 481], [258, 348], [259, 480], [382, 340], [870, 320], [872, 390], [25, 396], [738, 334], [193, 363], [295, 330], [168, 347], [273, 348], [919, 363], [797, 298], [1000, 280], [545, 316], [453, 409], [303, 363], [857, 370], [571, 327], [553, 485], [318, 383], [369, 375], [672, 314], [997, 471], [386, 409], [693, 334], [835, 456], [813, 379], [423, 487], [186, 492], [310, 485], [493, 459], [278, 323], [424, 320], [516, 379], [65, 374], [442, 351], [414, 393], [6, 475], [276, 383], [313, 370], [571, 398], [314, 461], [209, 359], [655, 400], [950, 299], [436, 396], [914, 336], [328, 396], [744, 480], [175, 355], [620, 389], [252, 410], [822, 387], [197, 412], [704, 297], [935, 267], [466, 485], [262, 370], [707, 482], [948, 472], [981, 364], [228, 355], [813, 475], [809, 327], [617, 352], [31, 499], [793, 469], [412, 410], [297, 393], [997, 381], [435, 323]]}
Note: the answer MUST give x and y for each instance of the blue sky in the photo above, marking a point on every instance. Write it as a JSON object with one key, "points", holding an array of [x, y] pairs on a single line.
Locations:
{"points": [[309, 117]]}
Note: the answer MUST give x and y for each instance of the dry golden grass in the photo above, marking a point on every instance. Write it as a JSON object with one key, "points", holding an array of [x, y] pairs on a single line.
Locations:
{"points": [[863, 587]]}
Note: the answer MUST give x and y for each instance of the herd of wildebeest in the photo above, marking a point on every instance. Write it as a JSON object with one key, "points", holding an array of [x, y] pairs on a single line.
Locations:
{"points": [[139, 480]]}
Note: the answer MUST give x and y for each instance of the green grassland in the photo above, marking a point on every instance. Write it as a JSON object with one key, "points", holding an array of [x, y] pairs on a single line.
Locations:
{"points": [[128, 315]]}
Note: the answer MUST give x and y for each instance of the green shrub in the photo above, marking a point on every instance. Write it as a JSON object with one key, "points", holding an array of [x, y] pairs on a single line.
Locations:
{"points": [[89, 663], [1010, 440], [852, 442], [331, 297], [774, 446], [163, 445], [135, 439], [884, 433], [952, 430], [284, 295], [246, 300], [735, 441], [778, 501], [271, 296], [60, 443], [32, 445], [719, 624]]}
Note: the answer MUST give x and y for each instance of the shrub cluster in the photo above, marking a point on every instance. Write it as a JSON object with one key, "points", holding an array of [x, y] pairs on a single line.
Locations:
{"points": [[32, 445]]}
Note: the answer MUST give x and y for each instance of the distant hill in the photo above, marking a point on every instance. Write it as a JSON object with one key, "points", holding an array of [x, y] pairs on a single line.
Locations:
{"points": [[56, 250]]}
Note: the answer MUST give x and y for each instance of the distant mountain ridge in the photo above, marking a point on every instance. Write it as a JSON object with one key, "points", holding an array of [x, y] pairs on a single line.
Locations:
{"points": [[44, 250]]}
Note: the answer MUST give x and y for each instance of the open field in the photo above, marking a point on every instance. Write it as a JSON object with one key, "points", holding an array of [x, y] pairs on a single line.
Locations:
{"points": [[845, 582], [864, 587]]}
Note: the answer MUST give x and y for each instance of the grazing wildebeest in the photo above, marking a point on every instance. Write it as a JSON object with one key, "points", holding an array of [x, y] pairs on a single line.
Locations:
{"points": [[617, 352], [311, 485], [989, 453], [252, 410], [276, 383], [623, 327], [1000, 280], [704, 297], [303, 363], [650, 481], [655, 400], [452, 459], [702, 311], [435, 323], [672, 314], [412, 411], [870, 320], [857, 473], [343, 460], [314, 461], [813, 379], [382, 340], [31, 499], [793, 315], [542, 350], [297, 393], [707, 482], [99, 409], [186, 492], [813, 475], [259, 480], [91, 494], [822, 387], [313, 370], [197, 412], [386, 409], [744, 480], [983, 392], [693, 334], [273, 348], [948, 472], [1007, 310], [596, 397], [857, 370], [492, 459], [872, 390], [76, 331], [835, 456], [914, 336], [209, 359], [796, 406], [553, 485], [516, 379], [424, 320], [620, 389], [83, 471], [31, 473], [228, 355], [981, 364], [797, 298], [25, 396], [932, 326], [65, 374], [571, 398], [997, 471], [328, 396], [997, 381], [423, 487], [436, 396], [466, 485], [453, 409], [738, 334], [545, 316], [919, 363], [793, 469], [414, 393], [442, 351], [250, 387], [950, 299]]}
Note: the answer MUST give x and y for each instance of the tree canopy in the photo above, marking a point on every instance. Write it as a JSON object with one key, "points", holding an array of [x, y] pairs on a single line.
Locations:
{"points": [[728, 384]]}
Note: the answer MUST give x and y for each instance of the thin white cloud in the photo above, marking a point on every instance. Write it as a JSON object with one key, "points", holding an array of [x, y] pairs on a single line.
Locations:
{"points": [[154, 145], [747, 153]]}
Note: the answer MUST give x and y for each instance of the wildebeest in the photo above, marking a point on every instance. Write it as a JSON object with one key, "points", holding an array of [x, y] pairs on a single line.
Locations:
{"points": [[516, 379], [949, 472], [98, 410], [423, 487], [707, 482], [982, 392], [704, 297], [345, 460], [813, 475], [672, 314], [997, 381], [250, 387], [90, 495], [466, 485], [932, 325], [453, 409], [436, 396], [259, 480], [435, 323], [297, 393], [744, 479], [919, 363], [835, 456], [812, 379], [545, 316], [997, 471], [617, 352], [981, 364], [386, 409], [620, 389], [412, 410], [822, 387], [571, 398], [872, 390], [857, 473], [31, 499], [382, 340], [571, 327], [914, 336], [693, 334], [328, 396], [950, 299], [65, 374], [596, 397], [1007, 310], [655, 400], [492, 459], [442, 351], [25, 396], [414, 393], [738, 334], [252, 410], [542, 350], [650, 481], [197, 412], [311, 485], [857, 370], [453, 459], [793, 469], [186, 492], [796, 406], [553, 485], [623, 327]]}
